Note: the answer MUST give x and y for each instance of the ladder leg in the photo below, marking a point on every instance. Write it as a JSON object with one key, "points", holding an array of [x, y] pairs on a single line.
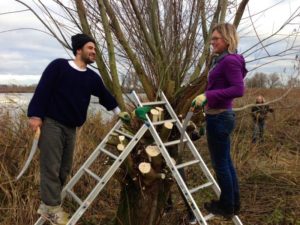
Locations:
{"points": [[87, 202], [40, 221], [89, 161], [236, 220], [175, 169]]}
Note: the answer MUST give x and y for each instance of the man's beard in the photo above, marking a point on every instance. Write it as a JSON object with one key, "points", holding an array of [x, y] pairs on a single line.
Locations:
{"points": [[87, 60]]}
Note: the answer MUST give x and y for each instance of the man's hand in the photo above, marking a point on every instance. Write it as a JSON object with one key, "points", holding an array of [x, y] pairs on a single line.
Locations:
{"points": [[125, 117], [34, 123], [200, 100]]}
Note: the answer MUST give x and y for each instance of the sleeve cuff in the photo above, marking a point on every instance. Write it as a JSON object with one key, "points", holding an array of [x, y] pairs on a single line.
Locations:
{"points": [[116, 110]]}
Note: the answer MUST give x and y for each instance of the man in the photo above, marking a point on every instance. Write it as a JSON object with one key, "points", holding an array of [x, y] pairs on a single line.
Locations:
{"points": [[58, 106], [259, 115]]}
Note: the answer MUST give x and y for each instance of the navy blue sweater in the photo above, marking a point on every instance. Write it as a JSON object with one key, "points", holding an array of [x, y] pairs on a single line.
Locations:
{"points": [[63, 94]]}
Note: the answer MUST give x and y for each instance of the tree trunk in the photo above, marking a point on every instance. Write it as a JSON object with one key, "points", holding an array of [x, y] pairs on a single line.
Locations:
{"points": [[147, 184], [142, 205]]}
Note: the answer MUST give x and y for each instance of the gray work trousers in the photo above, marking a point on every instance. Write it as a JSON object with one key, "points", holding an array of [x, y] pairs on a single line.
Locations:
{"points": [[56, 146]]}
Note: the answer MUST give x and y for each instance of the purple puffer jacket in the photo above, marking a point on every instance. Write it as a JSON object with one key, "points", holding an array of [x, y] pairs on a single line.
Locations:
{"points": [[225, 82]]}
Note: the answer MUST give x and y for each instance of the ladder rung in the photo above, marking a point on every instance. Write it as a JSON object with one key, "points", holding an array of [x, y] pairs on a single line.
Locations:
{"points": [[193, 190], [176, 142], [108, 153], [92, 174], [209, 216], [163, 121], [187, 163], [123, 133], [75, 197], [153, 103]]}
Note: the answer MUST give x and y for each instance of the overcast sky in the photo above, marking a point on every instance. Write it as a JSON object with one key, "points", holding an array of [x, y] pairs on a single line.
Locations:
{"points": [[25, 53]]}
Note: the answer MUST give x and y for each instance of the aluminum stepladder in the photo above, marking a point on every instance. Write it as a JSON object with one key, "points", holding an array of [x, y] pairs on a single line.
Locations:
{"points": [[102, 181], [187, 193]]}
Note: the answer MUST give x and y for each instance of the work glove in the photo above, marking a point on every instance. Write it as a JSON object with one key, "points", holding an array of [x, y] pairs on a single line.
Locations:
{"points": [[199, 101], [195, 135], [125, 117], [140, 112]]}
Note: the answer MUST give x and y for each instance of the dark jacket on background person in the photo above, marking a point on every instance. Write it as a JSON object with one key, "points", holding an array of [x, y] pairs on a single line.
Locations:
{"points": [[259, 113], [63, 94]]}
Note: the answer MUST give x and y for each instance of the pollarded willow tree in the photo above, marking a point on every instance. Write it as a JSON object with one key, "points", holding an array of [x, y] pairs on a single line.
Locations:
{"points": [[165, 45]]}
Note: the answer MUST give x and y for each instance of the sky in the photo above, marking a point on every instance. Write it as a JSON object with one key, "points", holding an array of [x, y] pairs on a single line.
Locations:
{"points": [[25, 53]]}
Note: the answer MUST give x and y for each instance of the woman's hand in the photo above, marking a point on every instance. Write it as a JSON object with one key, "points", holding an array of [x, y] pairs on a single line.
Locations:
{"points": [[200, 100]]}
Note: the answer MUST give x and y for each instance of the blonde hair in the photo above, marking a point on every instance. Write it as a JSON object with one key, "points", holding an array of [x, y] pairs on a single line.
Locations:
{"points": [[228, 32], [260, 97]]}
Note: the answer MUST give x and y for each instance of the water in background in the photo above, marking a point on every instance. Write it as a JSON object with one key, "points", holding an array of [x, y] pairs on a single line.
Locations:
{"points": [[15, 103]]}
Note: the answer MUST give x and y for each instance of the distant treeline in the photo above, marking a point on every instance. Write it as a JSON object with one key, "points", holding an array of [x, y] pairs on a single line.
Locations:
{"points": [[16, 88]]}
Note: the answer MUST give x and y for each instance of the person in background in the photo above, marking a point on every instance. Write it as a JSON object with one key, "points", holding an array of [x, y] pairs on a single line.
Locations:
{"points": [[58, 106], [225, 83], [259, 115]]}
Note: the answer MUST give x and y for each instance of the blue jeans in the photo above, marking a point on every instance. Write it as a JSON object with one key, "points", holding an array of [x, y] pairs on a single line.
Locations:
{"points": [[219, 127]]}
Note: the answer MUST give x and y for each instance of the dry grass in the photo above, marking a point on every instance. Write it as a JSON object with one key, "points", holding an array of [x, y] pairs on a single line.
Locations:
{"points": [[20, 200], [269, 172]]}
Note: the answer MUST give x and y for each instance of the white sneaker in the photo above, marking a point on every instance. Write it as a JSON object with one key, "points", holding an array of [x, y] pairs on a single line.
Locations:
{"points": [[192, 220], [54, 214]]}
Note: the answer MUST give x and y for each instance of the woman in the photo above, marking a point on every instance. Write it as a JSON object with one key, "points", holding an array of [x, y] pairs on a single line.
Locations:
{"points": [[225, 82]]}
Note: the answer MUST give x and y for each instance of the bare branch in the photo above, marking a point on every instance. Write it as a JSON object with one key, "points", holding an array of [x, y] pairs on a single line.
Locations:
{"points": [[223, 10], [149, 89], [43, 22], [240, 12], [111, 53], [266, 103]]}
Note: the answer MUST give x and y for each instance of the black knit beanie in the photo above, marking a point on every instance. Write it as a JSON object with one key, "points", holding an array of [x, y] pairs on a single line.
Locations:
{"points": [[79, 40]]}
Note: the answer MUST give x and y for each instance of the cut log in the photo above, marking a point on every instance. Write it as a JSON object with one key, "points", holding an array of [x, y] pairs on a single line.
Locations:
{"points": [[154, 157], [120, 147], [123, 140], [113, 139], [128, 164], [145, 168], [166, 131], [149, 174], [154, 115], [129, 129], [160, 113], [152, 151], [173, 160]]}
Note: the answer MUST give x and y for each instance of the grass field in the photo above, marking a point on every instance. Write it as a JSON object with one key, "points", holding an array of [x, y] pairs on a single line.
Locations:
{"points": [[269, 172]]}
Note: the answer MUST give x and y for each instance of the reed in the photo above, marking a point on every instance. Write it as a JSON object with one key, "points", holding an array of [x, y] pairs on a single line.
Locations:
{"points": [[268, 172]]}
